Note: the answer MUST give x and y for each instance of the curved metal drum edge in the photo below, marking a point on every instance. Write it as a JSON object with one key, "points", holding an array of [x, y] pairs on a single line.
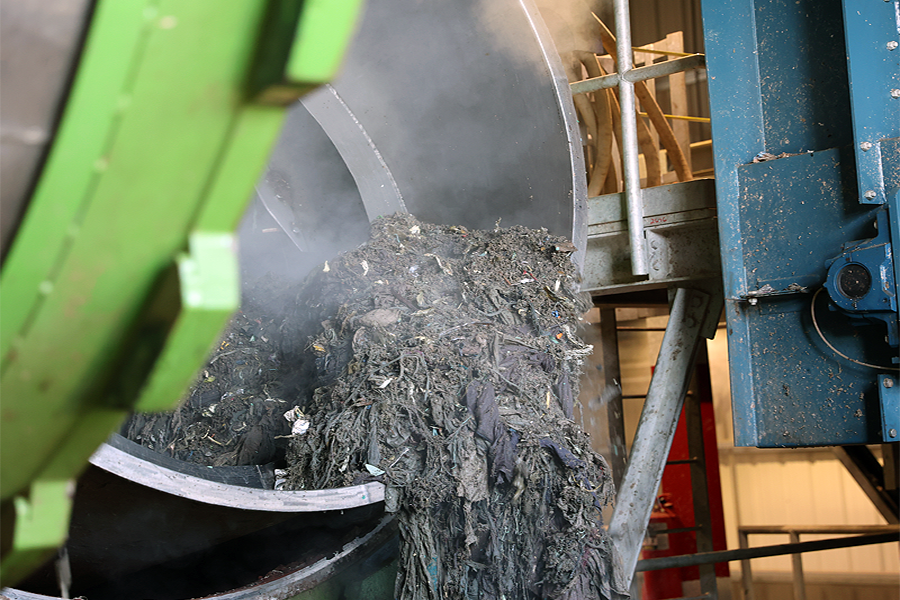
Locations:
{"points": [[458, 113], [378, 540], [379, 191], [308, 577], [573, 133], [127, 466]]}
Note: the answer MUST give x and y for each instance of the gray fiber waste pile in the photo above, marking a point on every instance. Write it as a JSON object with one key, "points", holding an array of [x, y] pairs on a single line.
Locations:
{"points": [[447, 367], [444, 363]]}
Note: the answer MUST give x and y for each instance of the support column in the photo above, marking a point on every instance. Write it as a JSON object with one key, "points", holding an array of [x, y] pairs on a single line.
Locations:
{"points": [[614, 411], [653, 439]]}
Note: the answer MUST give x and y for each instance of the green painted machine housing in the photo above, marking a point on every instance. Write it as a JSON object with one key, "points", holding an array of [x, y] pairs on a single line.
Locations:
{"points": [[124, 269]]}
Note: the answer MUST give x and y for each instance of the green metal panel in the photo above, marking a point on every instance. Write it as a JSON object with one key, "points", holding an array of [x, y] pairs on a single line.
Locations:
{"points": [[40, 520], [208, 295], [109, 53], [322, 36], [160, 155], [124, 270], [305, 50]]}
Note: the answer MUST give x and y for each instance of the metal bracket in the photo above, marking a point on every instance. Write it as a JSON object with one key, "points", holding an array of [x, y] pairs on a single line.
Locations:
{"points": [[889, 394], [681, 238], [41, 524], [209, 291], [861, 279]]}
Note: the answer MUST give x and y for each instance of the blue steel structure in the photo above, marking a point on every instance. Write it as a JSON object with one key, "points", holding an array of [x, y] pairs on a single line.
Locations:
{"points": [[805, 104]]}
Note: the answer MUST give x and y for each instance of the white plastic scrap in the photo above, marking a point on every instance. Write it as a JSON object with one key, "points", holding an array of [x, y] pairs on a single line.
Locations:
{"points": [[280, 478], [299, 422], [445, 268], [374, 470], [300, 427]]}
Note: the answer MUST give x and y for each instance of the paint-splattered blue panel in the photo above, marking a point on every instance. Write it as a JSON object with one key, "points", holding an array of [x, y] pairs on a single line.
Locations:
{"points": [[803, 394], [796, 212], [778, 83], [802, 75], [872, 32]]}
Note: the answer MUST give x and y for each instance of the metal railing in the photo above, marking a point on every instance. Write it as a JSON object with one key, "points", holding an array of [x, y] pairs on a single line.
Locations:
{"points": [[794, 532], [625, 78]]}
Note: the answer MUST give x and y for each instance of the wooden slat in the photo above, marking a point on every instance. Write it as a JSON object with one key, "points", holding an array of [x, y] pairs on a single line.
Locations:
{"points": [[674, 42]]}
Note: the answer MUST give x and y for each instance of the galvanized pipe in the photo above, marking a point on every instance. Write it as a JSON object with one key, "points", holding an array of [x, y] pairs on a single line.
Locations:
{"points": [[656, 429], [746, 572], [668, 67], [630, 165], [816, 529], [794, 532]]}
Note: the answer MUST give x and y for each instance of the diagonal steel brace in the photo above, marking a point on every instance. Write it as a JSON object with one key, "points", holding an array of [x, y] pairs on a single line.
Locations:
{"points": [[656, 429]]}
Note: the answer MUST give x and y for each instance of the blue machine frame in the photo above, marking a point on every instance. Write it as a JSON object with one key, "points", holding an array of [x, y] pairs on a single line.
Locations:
{"points": [[805, 102]]}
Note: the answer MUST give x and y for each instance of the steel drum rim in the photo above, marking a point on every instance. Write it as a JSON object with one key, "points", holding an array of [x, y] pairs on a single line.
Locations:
{"points": [[288, 585], [137, 470]]}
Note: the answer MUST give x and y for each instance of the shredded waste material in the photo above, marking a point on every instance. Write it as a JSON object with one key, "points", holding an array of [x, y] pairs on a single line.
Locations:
{"points": [[448, 364], [234, 413], [443, 362]]}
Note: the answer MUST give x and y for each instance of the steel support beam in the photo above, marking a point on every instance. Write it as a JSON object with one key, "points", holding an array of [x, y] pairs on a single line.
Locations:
{"points": [[869, 474], [797, 570], [746, 573], [615, 412], [700, 483], [891, 454], [656, 429]]}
